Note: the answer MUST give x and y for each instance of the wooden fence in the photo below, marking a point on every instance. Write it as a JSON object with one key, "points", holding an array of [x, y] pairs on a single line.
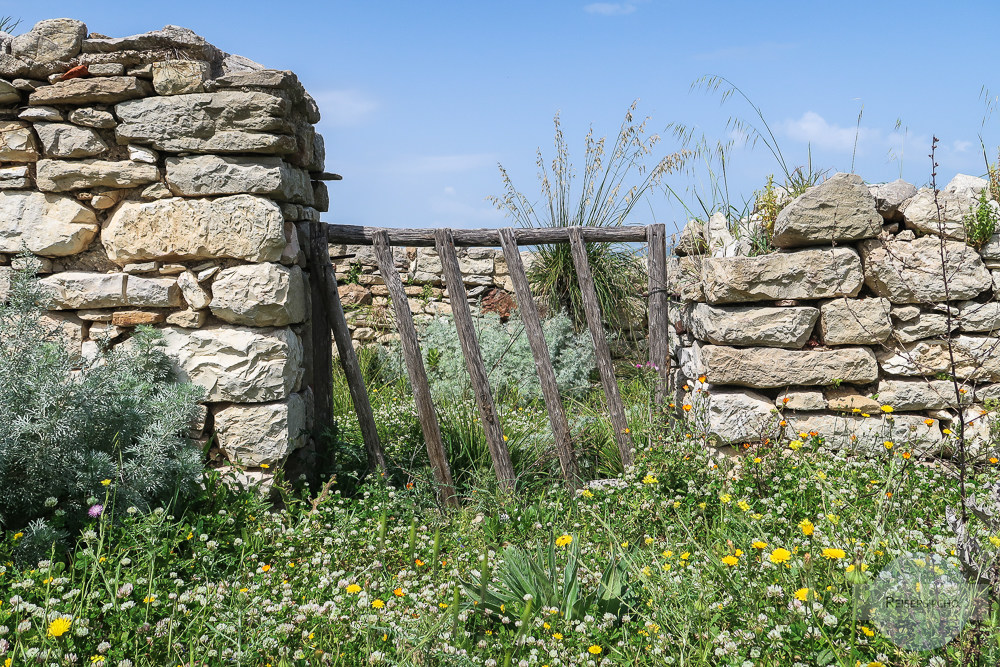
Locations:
{"points": [[328, 315]]}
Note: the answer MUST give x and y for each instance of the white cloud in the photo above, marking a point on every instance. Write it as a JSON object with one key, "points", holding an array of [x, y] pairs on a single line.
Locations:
{"points": [[610, 8], [425, 164], [814, 129], [761, 51], [450, 212], [345, 108]]}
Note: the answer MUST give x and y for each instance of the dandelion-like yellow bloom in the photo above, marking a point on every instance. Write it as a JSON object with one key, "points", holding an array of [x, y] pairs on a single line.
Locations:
{"points": [[59, 626], [595, 650], [806, 526], [868, 631], [105, 482], [265, 568], [802, 594], [353, 588], [780, 555], [833, 554], [649, 479], [557, 635], [725, 498], [378, 604], [398, 592], [563, 540], [795, 445], [888, 444], [759, 544], [995, 541], [586, 493], [887, 409], [731, 561]]}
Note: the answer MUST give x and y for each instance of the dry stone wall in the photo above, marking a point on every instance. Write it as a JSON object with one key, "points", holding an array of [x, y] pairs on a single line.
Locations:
{"points": [[842, 330], [159, 180]]}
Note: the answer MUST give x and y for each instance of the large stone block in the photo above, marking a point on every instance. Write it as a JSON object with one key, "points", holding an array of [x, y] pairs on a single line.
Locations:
{"points": [[102, 90], [259, 295], [750, 325], [78, 289], [976, 358], [735, 417], [855, 321], [63, 175], [49, 225], [204, 175], [952, 204], [224, 122], [890, 196], [178, 77], [973, 316], [50, 40], [237, 364], [920, 394], [769, 367], [924, 325], [803, 274], [152, 292], [839, 209], [171, 38], [911, 271], [262, 433], [17, 143], [64, 140], [842, 431], [238, 227]]}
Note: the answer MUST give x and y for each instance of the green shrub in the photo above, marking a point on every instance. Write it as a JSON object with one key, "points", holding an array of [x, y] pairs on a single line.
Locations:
{"points": [[981, 222], [75, 433]]}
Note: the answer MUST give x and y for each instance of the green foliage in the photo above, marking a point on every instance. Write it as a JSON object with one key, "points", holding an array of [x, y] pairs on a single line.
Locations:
{"points": [[68, 424], [353, 274], [981, 222]]}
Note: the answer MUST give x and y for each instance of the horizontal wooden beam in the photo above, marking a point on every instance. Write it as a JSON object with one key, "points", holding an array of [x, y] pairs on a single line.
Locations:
{"points": [[358, 235]]}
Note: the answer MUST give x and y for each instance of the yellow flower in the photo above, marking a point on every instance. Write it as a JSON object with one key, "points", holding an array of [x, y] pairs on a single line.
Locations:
{"points": [[687, 407], [758, 544], [725, 498], [563, 540], [886, 409], [802, 594], [833, 554], [586, 493], [398, 592], [743, 505], [649, 479], [97, 659], [377, 603], [995, 541], [868, 631], [353, 588], [18, 536], [780, 555], [685, 555], [149, 598], [806, 526], [265, 568], [946, 431], [59, 626], [731, 561], [757, 459], [264, 466], [795, 445], [595, 649], [105, 482], [557, 635]]}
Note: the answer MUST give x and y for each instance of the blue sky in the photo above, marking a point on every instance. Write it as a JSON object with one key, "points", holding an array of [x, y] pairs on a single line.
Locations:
{"points": [[421, 100]]}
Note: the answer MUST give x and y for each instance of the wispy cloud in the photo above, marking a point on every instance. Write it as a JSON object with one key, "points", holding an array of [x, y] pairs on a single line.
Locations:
{"points": [[814, 129], [345, 108], [437, 164], [760, 51], [610, 8]]}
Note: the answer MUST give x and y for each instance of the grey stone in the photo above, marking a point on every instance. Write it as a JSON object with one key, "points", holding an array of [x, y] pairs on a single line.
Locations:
{"points": [[852, 432], [42, 114], [920, 394], [49, 225], [975, 357], [905, 313], [89, 117], [15, 178], [196, 296], [974, 316], [770, 367], [8, 93], [189, 319], [50, 41], [103, 90], [171, 38], [152, 292], [925, 325], [839, 209], [75, 289], [64, 328], [855, 321], [60, 175], [803, 274], [912, 272], [17, 143], [204, 175], [263, 433], [142, 154], [890, 196], [106, 69], [946, 213], [750, 325], [259, 295], [800, 399], [177, 77], [735, 417], [60, 140]]}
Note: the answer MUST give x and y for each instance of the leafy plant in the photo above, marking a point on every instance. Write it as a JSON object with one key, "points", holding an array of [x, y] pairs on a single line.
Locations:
{"points": [[981, 222]]}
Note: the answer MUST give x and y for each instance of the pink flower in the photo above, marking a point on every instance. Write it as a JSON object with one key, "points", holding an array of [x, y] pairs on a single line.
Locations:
{"points": [[96, 511]]}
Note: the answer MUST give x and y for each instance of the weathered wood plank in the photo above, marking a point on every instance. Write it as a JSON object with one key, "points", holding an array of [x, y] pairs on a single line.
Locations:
{"points": [[659, 300], [415, 370], [474, 358], [358, 235], [321, 336], [330, 298], [540, 351], [616, 410]]}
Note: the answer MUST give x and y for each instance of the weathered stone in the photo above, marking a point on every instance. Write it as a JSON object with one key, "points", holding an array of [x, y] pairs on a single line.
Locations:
{"points": [[266, 78], [106, 200], [142, 267], [692, 239], [133, 318], [735, 417], [49, 225], [771, 367], [953, 204], [42, 114], [890, 196], [61, 140], [847, 399], [50, 40], [105, 332], [177, 77], [925, 325], [95, 315], [189, 319], [17, 143], [848, 431], [65, 328], [238, 227], [839, 209], [800, 399], [905, 313], [142, 154], [855, 321], [261, 434], [156, 191], [803, 274], [259, 295], [106, 69], [749, 325], [911, 272], [171, 38], [974, 316], [920, 394], [9, 94], [237, 364], [204, 175], [40, 265], [63, 175], [975, 358], [75, 289], [152, 292], [103, 90], [196, 296], [352, 295], [15, 178], [89, 117], [224, 122]]}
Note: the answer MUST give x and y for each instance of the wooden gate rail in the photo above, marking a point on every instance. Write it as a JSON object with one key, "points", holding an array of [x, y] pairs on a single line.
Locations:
{"points": [[357, 235]]}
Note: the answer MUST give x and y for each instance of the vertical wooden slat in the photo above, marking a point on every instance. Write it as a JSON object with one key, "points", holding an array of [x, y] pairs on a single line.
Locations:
{"points": [[330, 298], [473, 358], [546, 375], [616, 410], [321, 336], [659, 299], [415, 370]]}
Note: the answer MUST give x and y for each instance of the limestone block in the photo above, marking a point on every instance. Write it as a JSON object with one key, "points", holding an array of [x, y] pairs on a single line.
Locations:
{"points": [[849, 431], [17, 143], [974, 316], [955, 202], [749, 325], [352, 295], [692, 239], [259, 295], [800, 399], [50, 40], [889, 197], [176, 77], [15, 178], [77, 289], [223, 122], [194, 294], [684, 276], [63, 140], [171, 37], [203, 175], [924, 325], [9, 94], [133, 318], [89, 117], [976, 358], [189, 319], [103, 90], [41, 114], [803, 274], [238, 227], [106, 69], [63, 175], [49, 225], [152, 292], [855, 321], [838, 209], [847, 399], [235, 363], [920, 394], [263, 433], [771, 367], [911, 271], [736, 417]]}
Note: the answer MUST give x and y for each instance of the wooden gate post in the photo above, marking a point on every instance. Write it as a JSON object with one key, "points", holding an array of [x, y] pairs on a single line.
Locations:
{"points": [[415, 370], [473, 358], [659, 302], [616, 410], [546, 375], [330, 298]]}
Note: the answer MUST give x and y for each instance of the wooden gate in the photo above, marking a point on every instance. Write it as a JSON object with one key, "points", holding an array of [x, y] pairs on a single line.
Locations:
{"points": [[328, 314]]}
